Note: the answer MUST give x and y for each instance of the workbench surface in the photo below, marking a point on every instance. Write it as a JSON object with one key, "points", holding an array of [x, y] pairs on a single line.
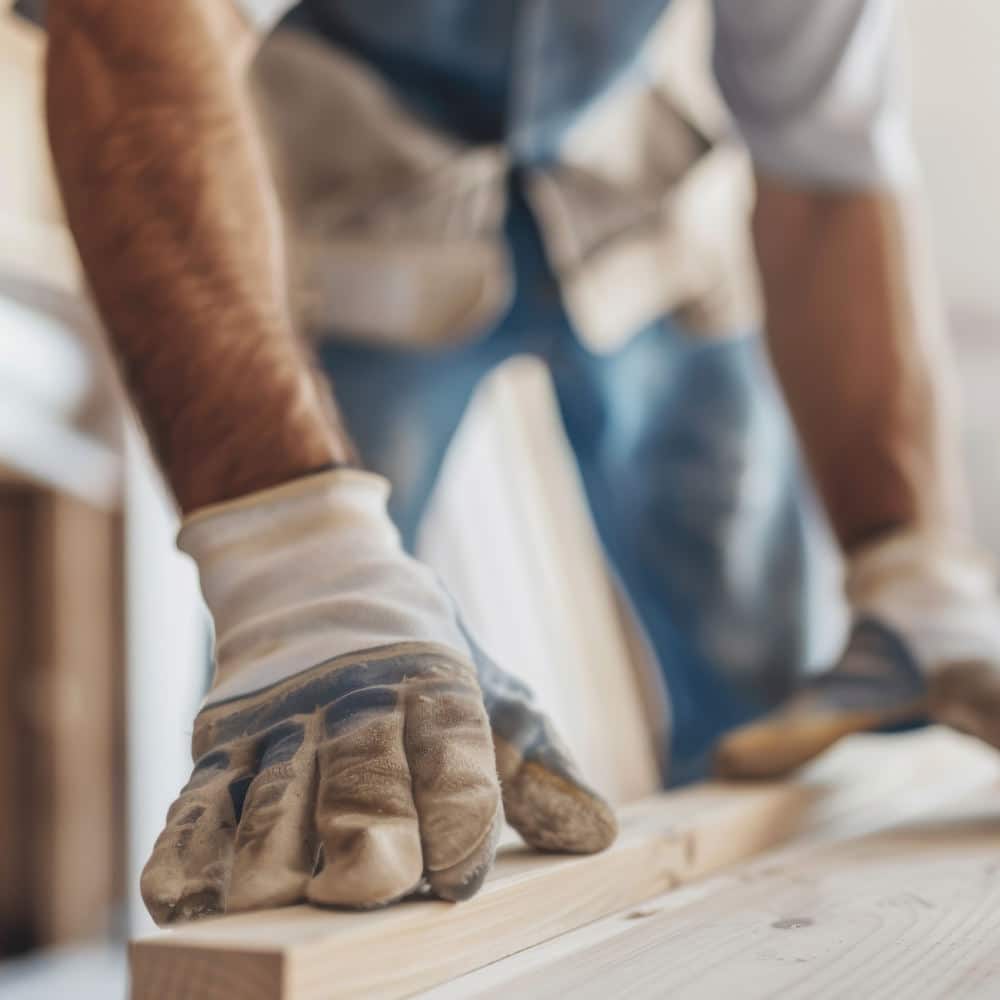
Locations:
{"points": [[909, 910]]}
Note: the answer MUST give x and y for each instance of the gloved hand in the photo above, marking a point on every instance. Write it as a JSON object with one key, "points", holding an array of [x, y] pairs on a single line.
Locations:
{"points": [[355, 743], [925, 644]]}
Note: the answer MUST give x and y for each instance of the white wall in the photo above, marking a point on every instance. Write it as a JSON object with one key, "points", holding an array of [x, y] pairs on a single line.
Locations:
{"points": [[955, 82], [167, 653]]}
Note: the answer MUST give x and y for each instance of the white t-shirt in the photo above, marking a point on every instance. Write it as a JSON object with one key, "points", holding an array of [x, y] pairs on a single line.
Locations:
{"points": [[816, 87]]}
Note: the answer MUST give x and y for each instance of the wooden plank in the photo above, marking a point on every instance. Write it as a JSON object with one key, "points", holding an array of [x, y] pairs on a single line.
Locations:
{"points": [[71, 698], [659, 847], [61, 807], [302, 953], [920, 775], [909, 911]]}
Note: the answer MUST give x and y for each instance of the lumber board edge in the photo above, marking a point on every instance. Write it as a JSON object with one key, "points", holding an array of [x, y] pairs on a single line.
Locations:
{"points": [[158, 974], [664, 843]]}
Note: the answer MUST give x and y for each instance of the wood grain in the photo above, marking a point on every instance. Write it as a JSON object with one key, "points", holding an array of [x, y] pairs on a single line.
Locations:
{"points": [[301, 953]]}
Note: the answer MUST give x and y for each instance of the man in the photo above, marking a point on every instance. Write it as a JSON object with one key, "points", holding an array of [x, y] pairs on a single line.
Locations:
{"points": [[356, 743]]}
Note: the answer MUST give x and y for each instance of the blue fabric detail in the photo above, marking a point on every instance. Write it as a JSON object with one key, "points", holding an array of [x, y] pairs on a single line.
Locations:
{"points": [[513, 71], [447, 61]]}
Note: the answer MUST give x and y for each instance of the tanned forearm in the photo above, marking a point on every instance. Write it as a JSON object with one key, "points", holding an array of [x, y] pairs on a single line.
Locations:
{"points": [[168, 196], [858, 350]]}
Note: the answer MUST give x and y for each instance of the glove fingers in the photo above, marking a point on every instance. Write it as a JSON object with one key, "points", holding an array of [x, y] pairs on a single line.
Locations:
{"points": [[786, 740], [187, 874], [543, 797], [275, 841], [455, 787], [366, 820]]}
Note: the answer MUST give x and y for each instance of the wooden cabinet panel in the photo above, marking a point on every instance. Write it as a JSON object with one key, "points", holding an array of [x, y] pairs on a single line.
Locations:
{"points": [[61, 800]]}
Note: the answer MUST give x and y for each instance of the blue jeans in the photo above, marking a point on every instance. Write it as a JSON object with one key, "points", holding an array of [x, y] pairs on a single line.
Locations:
{"points": [[689, 470]]}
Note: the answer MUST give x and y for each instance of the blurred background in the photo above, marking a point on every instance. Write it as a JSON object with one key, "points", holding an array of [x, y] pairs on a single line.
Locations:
{"points": [[103, 641]]}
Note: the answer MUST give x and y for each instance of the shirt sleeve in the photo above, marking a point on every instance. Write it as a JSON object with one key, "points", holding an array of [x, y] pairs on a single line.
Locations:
{"points": [[265, 14], [817, 89]]}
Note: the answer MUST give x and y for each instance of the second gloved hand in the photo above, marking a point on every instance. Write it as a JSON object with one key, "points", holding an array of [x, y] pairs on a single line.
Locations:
{"points": [[355, 741], [925, 644]]}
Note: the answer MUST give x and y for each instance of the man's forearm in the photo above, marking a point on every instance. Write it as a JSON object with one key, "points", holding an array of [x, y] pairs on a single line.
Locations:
{"points": [[168, 196], [861, 359]]}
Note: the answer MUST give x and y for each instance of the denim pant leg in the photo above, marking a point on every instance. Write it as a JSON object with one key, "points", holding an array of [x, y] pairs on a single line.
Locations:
{"points": [[694, 484], [687, 463]]}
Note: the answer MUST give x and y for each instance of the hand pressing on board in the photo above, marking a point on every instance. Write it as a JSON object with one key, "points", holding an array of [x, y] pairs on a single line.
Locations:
{"points": [[925, 645], [356, 745]]}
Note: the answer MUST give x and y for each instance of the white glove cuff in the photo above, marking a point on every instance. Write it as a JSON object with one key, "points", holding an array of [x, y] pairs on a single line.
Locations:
{"points": [[940, 595], [307, 572]]}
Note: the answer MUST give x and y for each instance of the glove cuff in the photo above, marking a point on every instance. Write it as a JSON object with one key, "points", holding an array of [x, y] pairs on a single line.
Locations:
{"points": [[307, 572], [350, 496], [939, 594]]}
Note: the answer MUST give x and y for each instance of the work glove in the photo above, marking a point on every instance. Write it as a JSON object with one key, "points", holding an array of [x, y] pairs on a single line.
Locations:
{"points": [[925, 644], [355, 744]]}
